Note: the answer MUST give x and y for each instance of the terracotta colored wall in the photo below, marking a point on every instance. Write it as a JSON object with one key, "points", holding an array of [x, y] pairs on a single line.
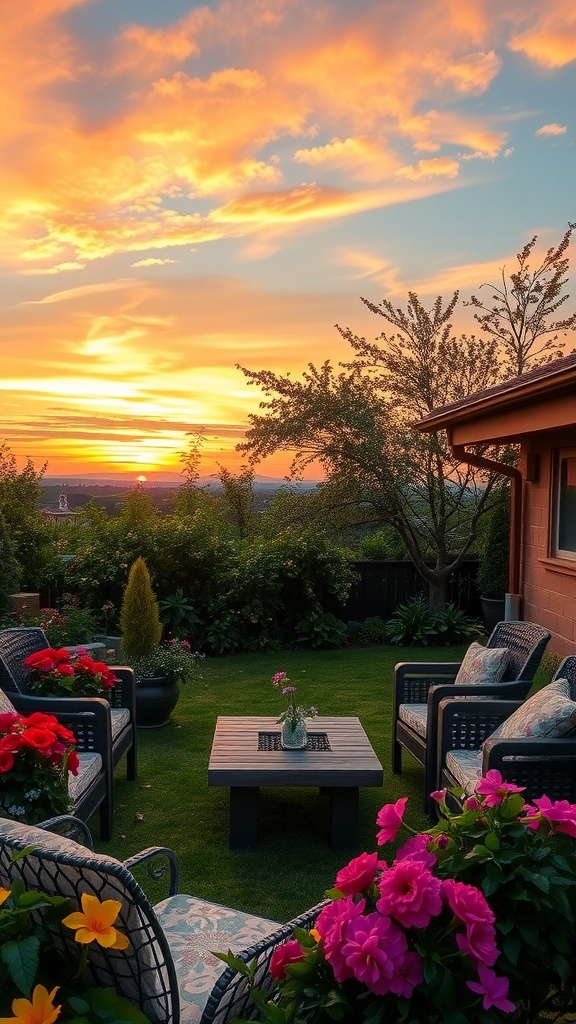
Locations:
{"points": [[549, 596]]}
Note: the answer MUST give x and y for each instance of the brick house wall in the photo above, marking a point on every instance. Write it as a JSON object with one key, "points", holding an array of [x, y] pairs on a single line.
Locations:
{"points": [[548, 585]]}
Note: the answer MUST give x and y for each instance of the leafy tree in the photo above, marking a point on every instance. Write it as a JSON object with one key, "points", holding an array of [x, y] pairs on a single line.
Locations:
{"points": [[11, 570], [238, 498], [520, 319], [356, 423], [20, 496]]}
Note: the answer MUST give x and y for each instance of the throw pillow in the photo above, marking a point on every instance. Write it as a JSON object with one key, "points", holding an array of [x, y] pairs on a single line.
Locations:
{"points": [[482, 665], [550, 712]]}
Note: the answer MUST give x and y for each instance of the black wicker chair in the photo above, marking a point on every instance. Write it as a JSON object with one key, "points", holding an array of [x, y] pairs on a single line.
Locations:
{"points": [[115, 715], [420, 686], [91, 789], [168, 970], [541, 765]]}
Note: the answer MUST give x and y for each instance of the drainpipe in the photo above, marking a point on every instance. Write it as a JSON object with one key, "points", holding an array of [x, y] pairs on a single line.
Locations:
{"points": [[459, 452]]}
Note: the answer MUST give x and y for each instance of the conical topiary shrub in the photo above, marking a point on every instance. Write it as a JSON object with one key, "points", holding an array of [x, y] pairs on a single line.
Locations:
{"points": [[139, 616]]}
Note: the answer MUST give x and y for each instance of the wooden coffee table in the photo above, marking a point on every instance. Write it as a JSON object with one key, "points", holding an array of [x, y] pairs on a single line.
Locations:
{"points": [[246, 755]]}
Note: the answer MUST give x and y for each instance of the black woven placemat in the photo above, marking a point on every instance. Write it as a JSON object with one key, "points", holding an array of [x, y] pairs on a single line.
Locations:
{"points": [[314, 741]]}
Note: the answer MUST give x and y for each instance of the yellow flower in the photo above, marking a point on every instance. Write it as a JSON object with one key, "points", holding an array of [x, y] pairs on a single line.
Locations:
{"points": [[95, 923], [4, 894], [40, 1011]]}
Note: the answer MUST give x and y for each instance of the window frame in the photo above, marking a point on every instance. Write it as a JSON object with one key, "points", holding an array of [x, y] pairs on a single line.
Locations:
{"points": [[564, 554]]}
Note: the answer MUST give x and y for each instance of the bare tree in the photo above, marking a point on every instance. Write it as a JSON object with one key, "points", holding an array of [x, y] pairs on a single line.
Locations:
{"points": [[520, 319]]}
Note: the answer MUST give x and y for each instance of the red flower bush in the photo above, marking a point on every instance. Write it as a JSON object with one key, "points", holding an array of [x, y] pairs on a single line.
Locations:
{"points": [[62, 674], [37, 754]]}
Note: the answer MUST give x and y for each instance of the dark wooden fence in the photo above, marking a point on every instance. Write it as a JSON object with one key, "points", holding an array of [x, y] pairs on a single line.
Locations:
{"points": [[382, 586]]}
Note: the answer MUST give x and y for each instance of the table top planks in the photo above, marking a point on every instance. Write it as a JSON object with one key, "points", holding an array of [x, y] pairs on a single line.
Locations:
{"points": [[236, 761]]}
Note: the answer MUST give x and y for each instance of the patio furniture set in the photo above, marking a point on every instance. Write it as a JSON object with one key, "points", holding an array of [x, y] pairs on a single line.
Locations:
{"points": [[457, 719]]}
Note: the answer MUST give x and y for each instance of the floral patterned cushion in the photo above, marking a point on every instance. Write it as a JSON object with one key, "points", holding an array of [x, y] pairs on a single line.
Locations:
{"points": [[482, 665], [465, 766], [194, 929], [415, 716], [549, 712], [89, 769], [119, 720]]}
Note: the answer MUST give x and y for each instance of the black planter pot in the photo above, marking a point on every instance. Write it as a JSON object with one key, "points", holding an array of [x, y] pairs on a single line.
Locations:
{"points": [[156, 698], [493, 611]]}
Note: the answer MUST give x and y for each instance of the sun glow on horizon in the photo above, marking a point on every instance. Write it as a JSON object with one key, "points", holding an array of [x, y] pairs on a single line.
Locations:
{"points": [[195, 186]]}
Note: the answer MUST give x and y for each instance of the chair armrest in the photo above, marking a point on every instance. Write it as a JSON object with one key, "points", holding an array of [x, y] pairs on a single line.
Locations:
{"points": [[159, 860], [528, 747], [70, 827], [123, 694], [413, 679]]}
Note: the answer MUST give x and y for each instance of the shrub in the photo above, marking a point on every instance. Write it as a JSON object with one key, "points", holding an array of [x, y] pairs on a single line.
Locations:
{"points": [[416, 623], [321, 629], [412, 623], [492, 579], [139, 620], [373, 630]]}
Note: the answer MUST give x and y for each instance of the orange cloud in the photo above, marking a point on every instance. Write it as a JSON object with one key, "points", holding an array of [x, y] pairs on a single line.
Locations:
{"points": [[552, 129], [550, 38]]}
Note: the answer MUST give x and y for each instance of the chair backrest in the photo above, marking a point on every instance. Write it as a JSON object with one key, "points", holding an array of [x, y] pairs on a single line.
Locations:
{"points": [[567, 670], [526, 642], [16, 644], [144, 973]]}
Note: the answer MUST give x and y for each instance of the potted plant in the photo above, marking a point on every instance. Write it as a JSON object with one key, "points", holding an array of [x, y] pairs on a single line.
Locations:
{"points": [[37, 754], [492, 578], [160, 668]]}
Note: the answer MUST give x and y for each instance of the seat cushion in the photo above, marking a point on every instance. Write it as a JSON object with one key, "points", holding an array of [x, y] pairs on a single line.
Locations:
{"points": [[549, 712], [119, 720], [482, 665], [465, 766], [90, 768], [415, 717], [194, 929]]}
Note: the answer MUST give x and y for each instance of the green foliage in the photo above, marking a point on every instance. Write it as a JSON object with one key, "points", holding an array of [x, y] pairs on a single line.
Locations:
{"points": [[492, 579], [173, 659], [70, 625], [270, 586], [139, 619], [321, 629], [178, 614], [383, 544], [20, 496], [10, 570], [373, 630], [412, 623], [416, 623]]}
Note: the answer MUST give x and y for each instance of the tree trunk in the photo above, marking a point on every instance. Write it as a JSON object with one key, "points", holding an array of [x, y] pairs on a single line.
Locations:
{"points": [[437, 593]]}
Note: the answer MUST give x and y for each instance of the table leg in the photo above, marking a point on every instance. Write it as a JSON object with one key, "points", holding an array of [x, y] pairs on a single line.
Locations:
{"points": [[243, 817], [344, 816]]}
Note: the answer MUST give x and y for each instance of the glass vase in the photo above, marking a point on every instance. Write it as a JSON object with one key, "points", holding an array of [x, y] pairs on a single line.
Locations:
{"points": [[293, 737]]}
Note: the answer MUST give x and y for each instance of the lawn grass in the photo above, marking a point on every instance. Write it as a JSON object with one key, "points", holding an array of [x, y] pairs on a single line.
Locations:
{"points": [[172, 805]]}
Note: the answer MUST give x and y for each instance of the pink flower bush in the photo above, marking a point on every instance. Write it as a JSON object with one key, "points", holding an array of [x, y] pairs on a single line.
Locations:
{"points": [[473, 920]]}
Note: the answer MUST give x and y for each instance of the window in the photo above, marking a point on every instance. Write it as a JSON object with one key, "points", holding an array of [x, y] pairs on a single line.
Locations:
{"points": [[565, 503]]}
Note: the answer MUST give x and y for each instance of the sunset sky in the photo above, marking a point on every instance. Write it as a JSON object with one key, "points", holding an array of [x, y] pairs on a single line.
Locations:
{"points": [[187, 186]]}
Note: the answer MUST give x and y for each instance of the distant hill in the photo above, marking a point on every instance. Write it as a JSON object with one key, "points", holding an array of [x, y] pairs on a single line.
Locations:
{"points": [[109, 494]]}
